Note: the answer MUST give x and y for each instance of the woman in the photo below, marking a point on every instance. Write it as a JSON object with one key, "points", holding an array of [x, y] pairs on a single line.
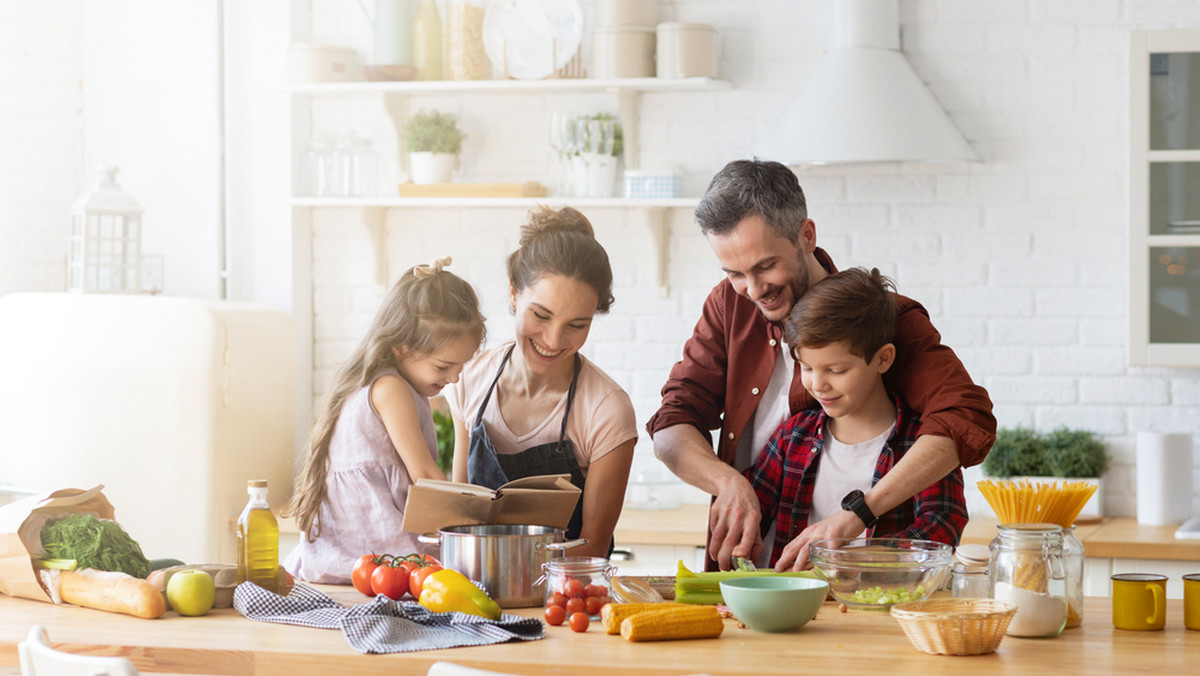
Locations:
{"points": [[535, 405]]}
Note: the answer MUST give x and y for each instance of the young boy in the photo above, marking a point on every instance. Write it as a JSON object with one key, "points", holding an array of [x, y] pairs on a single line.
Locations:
{"points": [[840, 332]]}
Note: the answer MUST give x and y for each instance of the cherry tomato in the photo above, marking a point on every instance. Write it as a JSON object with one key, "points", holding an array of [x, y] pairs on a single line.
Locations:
{"points": [[416, 579], [557, 599], [390, 581], [579, 622], [575, 605], [362, 573], [593, 604], [555, 615], [573, 588], [595, 590]]}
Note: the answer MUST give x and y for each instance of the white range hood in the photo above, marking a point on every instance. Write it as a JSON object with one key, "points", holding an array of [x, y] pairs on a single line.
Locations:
{"points": [[864, 102]]}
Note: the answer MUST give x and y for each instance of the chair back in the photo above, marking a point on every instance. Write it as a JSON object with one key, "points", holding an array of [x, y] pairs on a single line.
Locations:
{"points": [[39, 659]]}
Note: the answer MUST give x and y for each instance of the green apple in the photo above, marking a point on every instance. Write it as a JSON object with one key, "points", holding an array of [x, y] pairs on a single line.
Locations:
{"points": [[191, 592]]}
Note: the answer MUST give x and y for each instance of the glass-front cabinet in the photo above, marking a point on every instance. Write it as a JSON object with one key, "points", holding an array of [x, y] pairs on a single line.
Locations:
{"points": [[1164, 182]]}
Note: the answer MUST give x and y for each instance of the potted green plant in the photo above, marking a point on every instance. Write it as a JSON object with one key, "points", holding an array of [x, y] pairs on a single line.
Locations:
{"points": [[1061, 455], [599, 143], [434, 142]]}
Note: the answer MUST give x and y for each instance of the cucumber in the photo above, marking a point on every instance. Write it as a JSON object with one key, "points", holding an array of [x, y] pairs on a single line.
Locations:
{"points": [[159, 564]]}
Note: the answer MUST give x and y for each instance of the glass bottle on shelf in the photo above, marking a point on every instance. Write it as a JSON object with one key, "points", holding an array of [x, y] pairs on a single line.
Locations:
{"points": [[427, 42], [465, 56], [361, 162], [339, 167], [318, 172], [258, 539]]}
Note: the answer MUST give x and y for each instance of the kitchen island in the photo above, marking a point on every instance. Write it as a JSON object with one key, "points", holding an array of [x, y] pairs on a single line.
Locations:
{"points": [[854, 642]]}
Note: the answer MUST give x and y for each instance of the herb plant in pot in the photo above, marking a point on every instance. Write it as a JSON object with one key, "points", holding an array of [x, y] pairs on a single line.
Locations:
{"points": [[1061, 455], [598, 146], [434, 142]]}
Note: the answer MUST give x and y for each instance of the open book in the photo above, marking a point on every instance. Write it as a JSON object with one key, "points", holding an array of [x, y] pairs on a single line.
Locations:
{"points": [[546, 500]]}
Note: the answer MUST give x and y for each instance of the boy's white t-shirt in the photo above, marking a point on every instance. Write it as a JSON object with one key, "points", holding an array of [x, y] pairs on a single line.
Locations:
{"points": [[843, 468]]}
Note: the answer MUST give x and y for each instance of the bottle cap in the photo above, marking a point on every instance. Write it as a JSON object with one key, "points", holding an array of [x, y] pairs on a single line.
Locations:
{"points": [[257, 483]]}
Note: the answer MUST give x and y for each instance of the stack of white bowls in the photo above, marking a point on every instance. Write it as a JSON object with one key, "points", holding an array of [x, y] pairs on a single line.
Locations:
{"points": [[624, 38]]}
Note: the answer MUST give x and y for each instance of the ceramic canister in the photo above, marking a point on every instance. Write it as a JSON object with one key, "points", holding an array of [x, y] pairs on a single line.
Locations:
{"points": [[686, 50]]}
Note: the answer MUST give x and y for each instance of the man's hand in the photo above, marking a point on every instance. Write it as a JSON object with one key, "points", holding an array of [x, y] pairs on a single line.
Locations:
{"points": [[733, 522], [844, 524]]}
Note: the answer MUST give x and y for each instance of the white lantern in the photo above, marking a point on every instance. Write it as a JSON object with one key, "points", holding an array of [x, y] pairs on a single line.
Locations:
{"points": [[106, 240]]}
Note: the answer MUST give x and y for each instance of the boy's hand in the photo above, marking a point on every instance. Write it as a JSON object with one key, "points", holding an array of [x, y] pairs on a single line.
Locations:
{"points": [[733, 521], [844, 524]]}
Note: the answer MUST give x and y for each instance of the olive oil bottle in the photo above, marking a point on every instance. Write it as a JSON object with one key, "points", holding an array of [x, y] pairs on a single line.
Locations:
{"points": [[258, 539]]}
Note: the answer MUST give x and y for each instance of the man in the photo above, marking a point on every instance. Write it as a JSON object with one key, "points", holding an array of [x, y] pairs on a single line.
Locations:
{"points": [[737, 375]]}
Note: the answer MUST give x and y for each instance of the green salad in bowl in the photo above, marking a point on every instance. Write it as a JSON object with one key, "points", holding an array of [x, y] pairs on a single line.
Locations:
{"points": [[881, 572]]}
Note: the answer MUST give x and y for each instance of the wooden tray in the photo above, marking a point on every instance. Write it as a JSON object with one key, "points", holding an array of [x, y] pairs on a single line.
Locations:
{"points": [[527, 189]]}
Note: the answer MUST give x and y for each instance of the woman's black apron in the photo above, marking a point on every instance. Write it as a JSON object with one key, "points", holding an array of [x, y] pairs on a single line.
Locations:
{"points": [[486, 467]]}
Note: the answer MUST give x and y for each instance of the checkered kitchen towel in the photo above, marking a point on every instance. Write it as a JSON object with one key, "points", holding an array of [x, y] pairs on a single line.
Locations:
{"points": [[382, 625]]}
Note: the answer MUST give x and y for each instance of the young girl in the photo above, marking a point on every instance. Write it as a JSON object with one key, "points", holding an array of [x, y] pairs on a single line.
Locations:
{"points": [[375, 435], [534, 405]]}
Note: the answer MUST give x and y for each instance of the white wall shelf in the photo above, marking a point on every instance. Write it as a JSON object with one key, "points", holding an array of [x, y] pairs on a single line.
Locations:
{"points": [[549, 86], [492, 202], [654, 213]]}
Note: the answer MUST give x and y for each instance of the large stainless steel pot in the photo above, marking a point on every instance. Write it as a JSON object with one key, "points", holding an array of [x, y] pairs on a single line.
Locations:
{"points": [[506, 558]]}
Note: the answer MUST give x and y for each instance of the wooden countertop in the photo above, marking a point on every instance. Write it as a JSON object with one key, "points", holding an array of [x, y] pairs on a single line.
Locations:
{"points": [[851, 643], [1110, 537]]}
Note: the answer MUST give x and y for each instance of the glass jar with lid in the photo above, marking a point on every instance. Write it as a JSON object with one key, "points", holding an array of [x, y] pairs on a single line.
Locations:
{"points": [[466, 58], [1027, 570], [576, 580], [1073, 559], [969, 577]]}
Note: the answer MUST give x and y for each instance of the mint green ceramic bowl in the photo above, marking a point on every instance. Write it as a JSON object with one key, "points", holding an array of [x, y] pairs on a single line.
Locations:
{"points": [[774, 603]]}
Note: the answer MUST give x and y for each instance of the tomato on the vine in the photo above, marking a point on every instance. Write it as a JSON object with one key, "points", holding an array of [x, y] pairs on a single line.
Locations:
{"points": [[361, 575], [416, 579], [389, 580]]}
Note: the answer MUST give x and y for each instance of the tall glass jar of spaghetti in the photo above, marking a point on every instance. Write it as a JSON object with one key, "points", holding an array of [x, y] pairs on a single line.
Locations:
{"points": [[1027, 570]]}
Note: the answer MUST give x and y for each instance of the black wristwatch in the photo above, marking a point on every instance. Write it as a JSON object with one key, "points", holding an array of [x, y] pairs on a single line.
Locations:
{"points": [[856, 502]]}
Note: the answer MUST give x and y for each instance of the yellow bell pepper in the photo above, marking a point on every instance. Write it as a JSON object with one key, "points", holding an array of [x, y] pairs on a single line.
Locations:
{"points": [[449, 590]]}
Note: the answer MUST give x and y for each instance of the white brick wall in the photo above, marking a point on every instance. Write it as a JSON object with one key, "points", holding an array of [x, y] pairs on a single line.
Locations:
{"points": [[1021, 259]]}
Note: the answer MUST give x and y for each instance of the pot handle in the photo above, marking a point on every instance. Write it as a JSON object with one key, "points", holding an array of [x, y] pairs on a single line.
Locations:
{"points": [[559, 546], [429, 539]]}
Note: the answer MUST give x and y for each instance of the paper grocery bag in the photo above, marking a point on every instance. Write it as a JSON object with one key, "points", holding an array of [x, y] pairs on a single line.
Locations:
{"points": [[21, 534]]}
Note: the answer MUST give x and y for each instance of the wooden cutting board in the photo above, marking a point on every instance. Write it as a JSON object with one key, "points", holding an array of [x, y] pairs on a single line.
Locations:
{"points": [[527, 189]]}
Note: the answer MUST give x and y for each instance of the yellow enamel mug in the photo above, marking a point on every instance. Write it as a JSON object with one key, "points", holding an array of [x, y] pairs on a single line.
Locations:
{"points": [[1191, 601], [1139, 601]]}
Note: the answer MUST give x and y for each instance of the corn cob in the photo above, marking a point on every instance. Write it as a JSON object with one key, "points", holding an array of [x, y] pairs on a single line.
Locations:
{"points": [[673, 623], [612, 614]]}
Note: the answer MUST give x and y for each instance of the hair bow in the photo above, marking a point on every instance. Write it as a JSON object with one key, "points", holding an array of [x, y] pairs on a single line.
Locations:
{"points": [[423, 271]]}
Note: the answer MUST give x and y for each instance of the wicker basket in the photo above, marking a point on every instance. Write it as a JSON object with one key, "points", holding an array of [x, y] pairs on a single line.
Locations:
{"points": [[954, 626]]}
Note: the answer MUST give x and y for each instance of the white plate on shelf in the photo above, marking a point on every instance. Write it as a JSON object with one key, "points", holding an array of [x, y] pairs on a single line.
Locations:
{"points": [[531, 39]]}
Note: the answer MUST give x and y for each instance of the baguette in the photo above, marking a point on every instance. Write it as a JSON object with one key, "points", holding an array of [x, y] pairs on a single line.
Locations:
{"points": [[112, 591]]}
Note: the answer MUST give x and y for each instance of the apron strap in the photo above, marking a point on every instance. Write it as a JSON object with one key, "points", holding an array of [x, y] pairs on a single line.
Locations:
{"points": [[488, 397], [562, 434]]}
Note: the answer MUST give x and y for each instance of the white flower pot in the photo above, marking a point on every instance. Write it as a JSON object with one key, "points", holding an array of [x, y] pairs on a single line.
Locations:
{"points": [[595, 174], [426, 167]]}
